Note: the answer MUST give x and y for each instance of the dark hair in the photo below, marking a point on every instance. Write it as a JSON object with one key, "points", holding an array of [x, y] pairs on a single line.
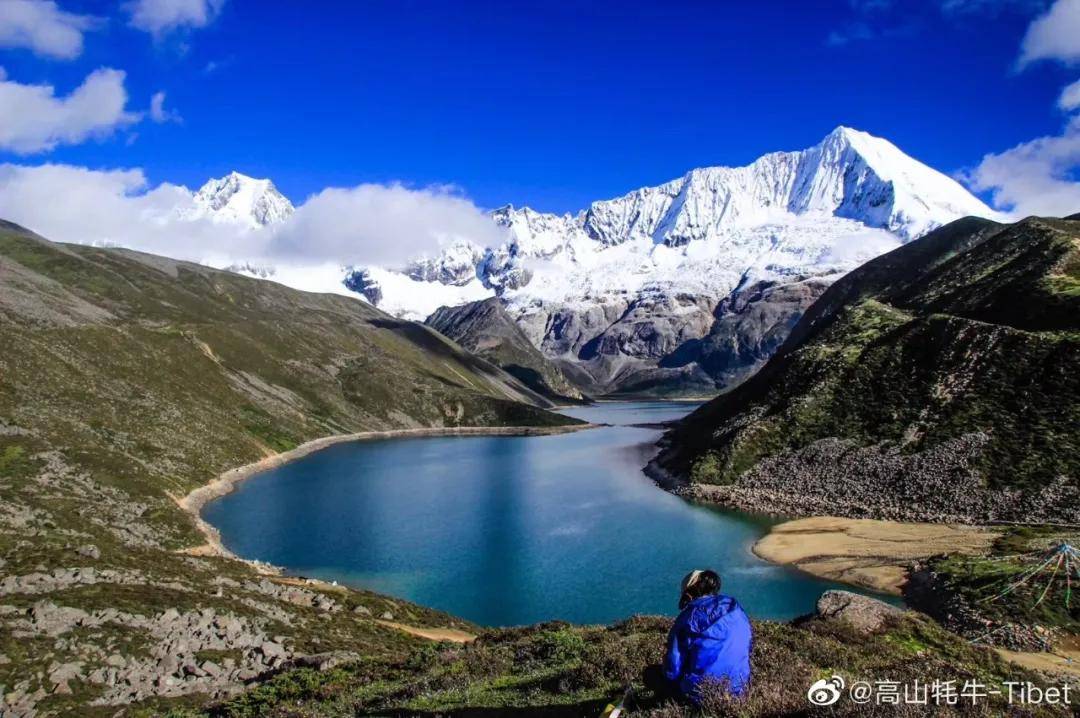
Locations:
{"points": [[697, 584]]}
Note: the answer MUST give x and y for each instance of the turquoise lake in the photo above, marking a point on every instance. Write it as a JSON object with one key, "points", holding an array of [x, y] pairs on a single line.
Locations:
{"points": [[507, 530]]}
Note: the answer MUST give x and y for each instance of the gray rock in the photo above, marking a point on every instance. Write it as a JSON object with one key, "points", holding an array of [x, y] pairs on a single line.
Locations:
{"points": [[861, 612], [324, 661], [272, 650], [486, 329], [61, 674], [89, 550]]}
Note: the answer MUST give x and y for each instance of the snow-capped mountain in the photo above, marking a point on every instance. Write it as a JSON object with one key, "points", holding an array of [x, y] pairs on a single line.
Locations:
{"points": [[688, 285], [239, 199], [692, 283]]}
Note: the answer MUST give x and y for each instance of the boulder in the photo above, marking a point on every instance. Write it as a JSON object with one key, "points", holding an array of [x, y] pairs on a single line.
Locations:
{"points": [[861, 612]]}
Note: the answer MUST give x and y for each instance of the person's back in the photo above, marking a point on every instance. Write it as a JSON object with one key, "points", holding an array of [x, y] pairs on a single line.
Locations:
{"points": [[709, 642]]}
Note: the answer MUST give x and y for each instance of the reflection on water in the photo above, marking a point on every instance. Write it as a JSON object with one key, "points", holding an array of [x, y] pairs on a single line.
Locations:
{"points": [[507, 530]]}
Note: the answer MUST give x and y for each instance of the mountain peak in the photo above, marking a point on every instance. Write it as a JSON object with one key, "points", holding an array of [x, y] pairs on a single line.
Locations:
{"points": [[876, 183], [843, 131], [238, 198]]}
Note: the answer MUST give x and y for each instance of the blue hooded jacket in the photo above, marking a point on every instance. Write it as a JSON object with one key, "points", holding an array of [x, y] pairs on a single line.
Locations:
{"points": [[710, 640]]}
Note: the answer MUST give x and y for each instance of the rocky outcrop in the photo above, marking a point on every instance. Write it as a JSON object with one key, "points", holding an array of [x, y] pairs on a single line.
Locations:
{"points": [[863, 613], [485, 329]]}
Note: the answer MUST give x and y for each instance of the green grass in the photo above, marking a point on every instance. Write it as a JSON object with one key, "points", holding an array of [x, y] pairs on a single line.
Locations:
{"points": [[979, 581]]}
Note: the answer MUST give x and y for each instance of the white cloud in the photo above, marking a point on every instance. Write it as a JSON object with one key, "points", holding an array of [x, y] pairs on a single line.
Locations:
{"points": [[158, 113], [1070, 97], [159, 17], [114, 207], [42, 27], [1054, 35], [1034, 177], [369, 224], [34, 119], [1038, 177], [381, 224]]}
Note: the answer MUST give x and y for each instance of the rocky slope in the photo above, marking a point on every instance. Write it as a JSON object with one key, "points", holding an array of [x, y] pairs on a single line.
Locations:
{"points": [[688, 286], [557, 670], [127, 380], [940, 381], [485, 329]]}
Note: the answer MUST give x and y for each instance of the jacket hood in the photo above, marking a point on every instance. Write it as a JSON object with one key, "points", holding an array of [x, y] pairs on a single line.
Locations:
{"points": [[706, 612]]}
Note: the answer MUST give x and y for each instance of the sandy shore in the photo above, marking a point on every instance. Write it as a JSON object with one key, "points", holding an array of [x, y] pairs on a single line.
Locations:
{"points": [[865, 552], [226, 482]]}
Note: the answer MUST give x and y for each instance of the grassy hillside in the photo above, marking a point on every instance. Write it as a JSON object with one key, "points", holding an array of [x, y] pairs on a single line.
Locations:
{"points": [[487, 330], [556, 670], [939, 381], [126, 380]]}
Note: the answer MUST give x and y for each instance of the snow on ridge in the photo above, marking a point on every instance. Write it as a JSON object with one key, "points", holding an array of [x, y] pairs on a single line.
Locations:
{"points": [[241, 200], [821, 210], [791, 213]]}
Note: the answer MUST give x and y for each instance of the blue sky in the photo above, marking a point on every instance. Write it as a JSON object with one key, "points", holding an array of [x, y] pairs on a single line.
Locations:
{"points": [[543, 103]]}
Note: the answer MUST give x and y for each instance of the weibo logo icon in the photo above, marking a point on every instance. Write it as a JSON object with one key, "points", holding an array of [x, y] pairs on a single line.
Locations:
{"points": [[825, 692]]}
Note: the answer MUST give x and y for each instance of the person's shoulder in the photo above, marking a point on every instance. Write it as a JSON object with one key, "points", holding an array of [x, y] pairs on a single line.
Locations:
{"points": [[729, 604]]}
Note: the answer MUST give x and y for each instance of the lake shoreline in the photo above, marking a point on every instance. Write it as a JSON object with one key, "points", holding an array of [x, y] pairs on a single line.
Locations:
{"points": [[864, 553], [226, 482], [867, 553]]}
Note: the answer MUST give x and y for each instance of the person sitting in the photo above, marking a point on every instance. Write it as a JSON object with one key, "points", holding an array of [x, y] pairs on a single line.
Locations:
{"points": [[709, 642]]}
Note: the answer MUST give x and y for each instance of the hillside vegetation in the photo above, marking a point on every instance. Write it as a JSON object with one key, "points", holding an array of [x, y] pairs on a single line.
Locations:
{"points": [[127, 380], [940, 381], [557, 670]]}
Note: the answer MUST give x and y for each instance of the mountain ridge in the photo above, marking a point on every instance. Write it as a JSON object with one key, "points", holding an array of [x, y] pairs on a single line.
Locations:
{"points": [[680, 288], [936, 382], [241, 200], [657, 291], [485, 329]]}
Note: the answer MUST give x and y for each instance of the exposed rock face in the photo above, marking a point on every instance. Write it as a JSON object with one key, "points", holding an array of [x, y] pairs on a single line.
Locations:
{"points": [[939, 382], [456, 265], [361, 282], [750, 325], [485, 329], [865, 614]]}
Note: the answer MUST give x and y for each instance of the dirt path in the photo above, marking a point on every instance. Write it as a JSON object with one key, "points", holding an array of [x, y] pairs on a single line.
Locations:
{"points": [[865, 552], [432, 634], [1056, 662]]}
